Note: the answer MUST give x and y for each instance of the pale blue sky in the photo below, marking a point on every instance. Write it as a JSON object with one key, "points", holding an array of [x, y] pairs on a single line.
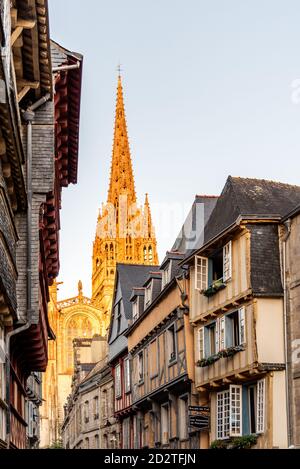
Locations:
{"points": [[208, 93]]}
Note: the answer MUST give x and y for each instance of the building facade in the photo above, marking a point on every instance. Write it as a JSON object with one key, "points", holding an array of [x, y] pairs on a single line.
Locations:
{"points": [[71, 319], [126, 277], [237, 311], [290, 248], [32, 175], [89, 421]]}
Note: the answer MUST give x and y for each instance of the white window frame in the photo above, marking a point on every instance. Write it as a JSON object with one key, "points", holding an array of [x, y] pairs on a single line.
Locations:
{"points": [[223, 415], [135, 309], [222, 334], [118, 381], [166, 275], [201, 343], [260, 406], [227, 262], [141, 367], [127, 376], [148, 294], [201, 273], [242, 325], [236, 410]]}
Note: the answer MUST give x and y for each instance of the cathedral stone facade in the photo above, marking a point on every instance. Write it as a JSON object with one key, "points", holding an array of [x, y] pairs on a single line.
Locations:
{"points": [[125, 232]]}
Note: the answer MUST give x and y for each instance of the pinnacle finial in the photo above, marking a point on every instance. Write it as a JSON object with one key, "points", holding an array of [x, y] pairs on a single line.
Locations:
{"points": [[119, 69]]}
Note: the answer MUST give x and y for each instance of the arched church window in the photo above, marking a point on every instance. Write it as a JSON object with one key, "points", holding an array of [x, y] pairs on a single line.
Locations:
{"points": [[86, 328], [150, 254], [145, 254]]}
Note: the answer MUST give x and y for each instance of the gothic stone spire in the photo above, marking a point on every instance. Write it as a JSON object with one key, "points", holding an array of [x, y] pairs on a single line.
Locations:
{"points": [[121, 177]]}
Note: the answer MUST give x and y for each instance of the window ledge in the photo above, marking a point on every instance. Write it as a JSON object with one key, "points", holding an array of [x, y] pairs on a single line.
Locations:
{"points": [[214, 288], [226, 353]]}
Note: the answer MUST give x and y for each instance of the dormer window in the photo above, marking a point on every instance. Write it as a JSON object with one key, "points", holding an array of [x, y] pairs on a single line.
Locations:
{"points": [[148, 295], [135, 309], [166, 275], [214, 272]]}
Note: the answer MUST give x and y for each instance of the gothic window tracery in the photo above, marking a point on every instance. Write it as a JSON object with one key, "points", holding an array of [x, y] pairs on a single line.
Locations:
{"points": [[78, 327]]}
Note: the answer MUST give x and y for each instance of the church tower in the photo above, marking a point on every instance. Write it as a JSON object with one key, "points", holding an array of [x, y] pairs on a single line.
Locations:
{"points": [[125, 232]]}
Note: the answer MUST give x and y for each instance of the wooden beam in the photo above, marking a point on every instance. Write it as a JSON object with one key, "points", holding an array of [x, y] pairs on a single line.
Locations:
{"points": [[240, 377], [15, 35], [33, 84], [26, 24], [227, 381], [23, 92], [213, 384], [2, 146]]}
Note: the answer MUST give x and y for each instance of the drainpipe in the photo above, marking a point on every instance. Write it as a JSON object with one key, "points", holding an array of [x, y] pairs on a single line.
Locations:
{"points": [[285, 310], [28, 116], [66, 67]]}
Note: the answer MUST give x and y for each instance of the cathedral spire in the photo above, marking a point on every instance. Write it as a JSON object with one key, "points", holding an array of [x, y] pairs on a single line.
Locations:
{"points": [[121, 177], [148, 218]]}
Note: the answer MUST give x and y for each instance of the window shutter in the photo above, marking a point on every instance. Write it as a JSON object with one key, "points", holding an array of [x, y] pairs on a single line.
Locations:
{"points": [[218, 335], [222, 340], [201, 273], [236, 410], [260, 402], [227, 262], [242, 325], [200, 344]]}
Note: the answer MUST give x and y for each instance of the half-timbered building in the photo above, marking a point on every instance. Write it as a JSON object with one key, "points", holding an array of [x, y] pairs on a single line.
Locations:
{"points": [[237, 312], [127, 276]]}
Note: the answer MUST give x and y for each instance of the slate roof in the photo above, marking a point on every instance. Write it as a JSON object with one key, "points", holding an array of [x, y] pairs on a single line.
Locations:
{"points": [[250, 197], [129, 276], [185, 242]]}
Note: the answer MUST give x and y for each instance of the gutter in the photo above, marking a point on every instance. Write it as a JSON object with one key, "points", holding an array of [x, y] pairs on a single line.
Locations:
{"points": [[28, 116], [66, 67]]}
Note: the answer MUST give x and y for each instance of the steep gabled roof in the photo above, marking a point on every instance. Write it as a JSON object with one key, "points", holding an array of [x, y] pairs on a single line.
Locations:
{"points": [[190, 237], [130, 276], [250, 197]]}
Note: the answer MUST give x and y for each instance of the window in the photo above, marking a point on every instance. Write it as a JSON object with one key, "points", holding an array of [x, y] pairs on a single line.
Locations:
{"points": [[223, 415], [105, 404], [260, 426], [241, 410], [97, 446], [165, 424], [183, 417], [118, 317], [252, 408], [141, 367], [211, 339], [148, 295], [235, 410], [200, 344], [118, 385], [166, 275], [86, 412], [171, 343], [201, 273], [96, 408], [215, 267], [227, 262], [127, 375], [87, 443], [153, 361], [235, 328], [135, 309]]}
